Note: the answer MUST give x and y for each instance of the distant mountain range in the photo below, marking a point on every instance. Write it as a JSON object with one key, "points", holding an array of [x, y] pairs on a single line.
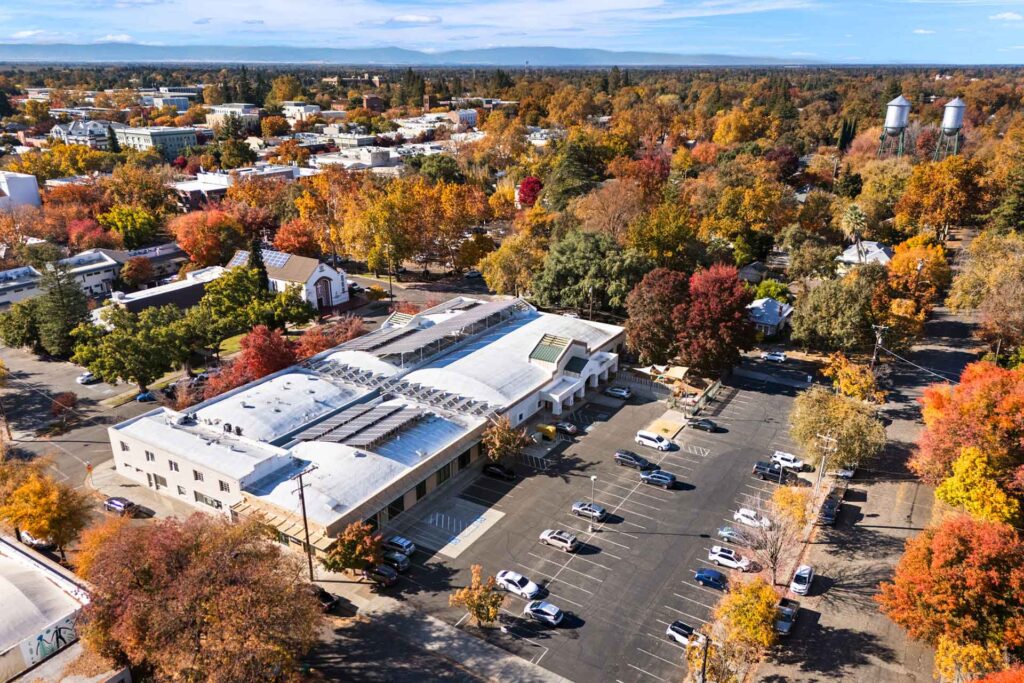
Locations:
{"points": [[384, 56]]}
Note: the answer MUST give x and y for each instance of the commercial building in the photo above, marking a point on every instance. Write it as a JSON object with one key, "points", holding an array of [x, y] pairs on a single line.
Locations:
{"points": [[170, 141], [18, 189], [377, 423], [463, 117], [212, 186], [248, 115], [320, 285], [184, 293], [179, 102], [18, 284], [299, 111]]}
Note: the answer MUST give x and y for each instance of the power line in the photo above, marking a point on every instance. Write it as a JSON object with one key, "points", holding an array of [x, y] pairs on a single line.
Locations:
{"points": [[937, 373]]}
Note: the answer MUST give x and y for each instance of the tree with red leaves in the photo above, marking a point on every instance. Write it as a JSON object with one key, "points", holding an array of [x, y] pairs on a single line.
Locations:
{"points": [[962, 581], [1014, 675], [208, 237], [650, 328], [985, 410], [322, 337], [529, 190], [137, 270], [298, 237], [86, 233], [63, 404], [264, 351], [713, 325]]}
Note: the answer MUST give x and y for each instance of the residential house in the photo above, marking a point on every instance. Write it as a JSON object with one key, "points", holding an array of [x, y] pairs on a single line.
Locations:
{"points": [[92, 133], [321, 285], [753, 272], [862, 253], [769, 316]]}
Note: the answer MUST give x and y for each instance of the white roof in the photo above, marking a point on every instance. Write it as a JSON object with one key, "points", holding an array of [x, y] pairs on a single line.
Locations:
{"points": [[33, 596], [869, 252], [495, 367], [278, 406], [346, 476]]}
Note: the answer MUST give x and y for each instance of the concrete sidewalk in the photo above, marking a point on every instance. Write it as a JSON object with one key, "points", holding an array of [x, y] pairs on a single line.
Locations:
{"points": [[423, 631], [107, 482]]}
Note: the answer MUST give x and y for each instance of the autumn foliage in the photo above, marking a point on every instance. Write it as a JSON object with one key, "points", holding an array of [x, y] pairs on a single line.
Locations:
{"points": [[208, 237], [196, 599], [322, 337], [713, 326], [263, 352]]}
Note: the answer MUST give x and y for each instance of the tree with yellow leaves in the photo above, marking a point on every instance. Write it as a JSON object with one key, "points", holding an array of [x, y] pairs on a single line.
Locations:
{"points": [[974, 487], [939, 195], [793, 502], [746, 615], [480, 598], [510, 268], [42, 507], [966, 661], [919, 269], [855, 380]]}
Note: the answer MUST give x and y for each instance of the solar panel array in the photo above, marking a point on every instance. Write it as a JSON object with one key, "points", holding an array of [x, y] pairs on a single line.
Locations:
{"points": [[353, 375], [440, 399], [368, 342], [318, 430], [386, 427], [272, 259], [454, 327], [367, 419]]}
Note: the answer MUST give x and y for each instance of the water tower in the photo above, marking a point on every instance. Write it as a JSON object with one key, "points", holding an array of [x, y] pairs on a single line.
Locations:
{"points": [[894, 132], [950, 135]]}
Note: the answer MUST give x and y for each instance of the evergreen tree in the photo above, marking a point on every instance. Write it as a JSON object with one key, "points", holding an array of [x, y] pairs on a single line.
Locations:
{"points": [[231, 129], [112, 144], [1009, 215], [62, 307], [614, 80], [5, 105], [848, 184], [256, 262]]}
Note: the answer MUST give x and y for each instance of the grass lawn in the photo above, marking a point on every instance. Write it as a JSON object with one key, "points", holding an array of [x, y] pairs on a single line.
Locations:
{"points": [[231, 345]]}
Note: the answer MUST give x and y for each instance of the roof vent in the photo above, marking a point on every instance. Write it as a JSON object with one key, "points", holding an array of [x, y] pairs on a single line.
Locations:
{"points": [[227, 427], [238, 430]]}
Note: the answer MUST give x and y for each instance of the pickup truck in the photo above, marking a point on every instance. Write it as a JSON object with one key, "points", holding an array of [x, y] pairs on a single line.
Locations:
{"points": [[785, 616], [768, 470]]}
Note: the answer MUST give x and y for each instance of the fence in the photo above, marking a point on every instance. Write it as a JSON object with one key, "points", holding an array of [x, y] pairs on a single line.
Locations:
{"points": [[705, 397]]}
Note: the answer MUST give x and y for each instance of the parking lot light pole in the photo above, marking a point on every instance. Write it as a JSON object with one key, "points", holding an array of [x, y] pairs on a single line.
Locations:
{"points": [[593, 482]]}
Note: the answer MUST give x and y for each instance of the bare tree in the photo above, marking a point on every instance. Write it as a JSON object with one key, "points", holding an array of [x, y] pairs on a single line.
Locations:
{"points": [[773, 543]]}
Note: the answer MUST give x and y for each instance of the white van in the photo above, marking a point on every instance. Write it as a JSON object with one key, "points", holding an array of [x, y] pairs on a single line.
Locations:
{"points": [[652, 440]]}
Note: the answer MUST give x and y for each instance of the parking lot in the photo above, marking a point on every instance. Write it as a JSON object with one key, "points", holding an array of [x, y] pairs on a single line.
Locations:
{"points": [[634, 573]]}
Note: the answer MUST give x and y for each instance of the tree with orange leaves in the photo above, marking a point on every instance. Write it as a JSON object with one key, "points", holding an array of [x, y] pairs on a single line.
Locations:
{"points": [[299, 237], [208, 237], [919, 269]]}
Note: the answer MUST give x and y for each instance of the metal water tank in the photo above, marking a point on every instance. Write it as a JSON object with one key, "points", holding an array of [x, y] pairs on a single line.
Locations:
{"points": [[953, 116], [897, 115]]}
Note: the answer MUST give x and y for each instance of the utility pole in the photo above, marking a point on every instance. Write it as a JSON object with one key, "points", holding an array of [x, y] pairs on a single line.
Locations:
{"points": [[830, 449], [879, 331], [704, 663], [593, 482], [305, 521]]}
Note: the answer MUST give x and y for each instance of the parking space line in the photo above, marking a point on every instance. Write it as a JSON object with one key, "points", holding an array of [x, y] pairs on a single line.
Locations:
{"points": [[583, 559], [685, 614], [667, 661], [696, 602], [634, 524], [638, 514], [636, 502], [480, 483], [562, 598], [480, 501], [606, 538], [645, 672], [552, 578], [566, 566], [632, 482], [603, 528]]}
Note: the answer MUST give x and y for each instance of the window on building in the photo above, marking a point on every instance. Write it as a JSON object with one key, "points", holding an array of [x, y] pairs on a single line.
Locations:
{"points": [[181, 491], [397, 507], [464, 460], [212, 502], [224, 486], [444, 474], [172, 465], [197, 475], [421, 489], [159, 481], [124, 446], [150, 457]]}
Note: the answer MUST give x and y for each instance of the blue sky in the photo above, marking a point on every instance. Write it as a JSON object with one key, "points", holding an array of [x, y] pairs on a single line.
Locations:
{"points": [[843, 31]]}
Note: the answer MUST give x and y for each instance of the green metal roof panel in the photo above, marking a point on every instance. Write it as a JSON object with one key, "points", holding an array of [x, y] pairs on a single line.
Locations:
{"points": [[576, 364], [546, 352]]}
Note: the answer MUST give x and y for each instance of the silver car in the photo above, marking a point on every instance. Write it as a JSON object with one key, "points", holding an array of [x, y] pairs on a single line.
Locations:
{"points": [[589, 510], [557, 538], [517, 584], [544, 612]]}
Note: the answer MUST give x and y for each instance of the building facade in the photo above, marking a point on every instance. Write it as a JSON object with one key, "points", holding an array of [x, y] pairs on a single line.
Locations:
{"points": [[92, 133], [18, 189], [320, 285], [248, 115], [171, 142]]}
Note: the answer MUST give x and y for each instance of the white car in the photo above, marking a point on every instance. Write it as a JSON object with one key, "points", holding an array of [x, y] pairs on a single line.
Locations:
{"points": [[774, 356], [802, 579], [558, 538], [618, 392], [652, 440], [727, 557], [682, 633], [544, 612], [788, 460], [749, 517], [87, 378], [517, 584]]}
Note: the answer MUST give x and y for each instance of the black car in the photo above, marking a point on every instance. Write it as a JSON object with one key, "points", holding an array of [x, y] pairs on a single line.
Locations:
{"points": [[631, 459], [493, 469], [704, 425], [768, 470], [120, 505], [829, 510], [327, 600], [382, 575]]}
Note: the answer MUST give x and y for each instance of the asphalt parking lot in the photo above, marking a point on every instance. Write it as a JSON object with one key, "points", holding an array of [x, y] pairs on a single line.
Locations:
{"points": [[634, 573]]}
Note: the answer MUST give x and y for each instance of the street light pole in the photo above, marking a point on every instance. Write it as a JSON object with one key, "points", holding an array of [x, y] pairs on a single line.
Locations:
{"points": [[833, 444], [593, 482]]}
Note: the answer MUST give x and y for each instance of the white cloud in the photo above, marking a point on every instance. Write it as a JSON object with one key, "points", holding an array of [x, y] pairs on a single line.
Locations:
{"points": [[415, 19], [115, 38], [31, 33], [1007, 16], [923, 31]]}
